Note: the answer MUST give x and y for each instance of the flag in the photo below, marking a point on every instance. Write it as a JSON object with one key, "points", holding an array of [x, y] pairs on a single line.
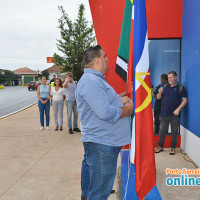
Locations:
{"points": [[50, 60], [123, 50], [130, 60], [142, 147], [138, 177]]}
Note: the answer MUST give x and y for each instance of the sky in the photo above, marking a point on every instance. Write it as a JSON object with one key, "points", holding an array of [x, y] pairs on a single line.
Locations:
{"points": [[29, 31]]}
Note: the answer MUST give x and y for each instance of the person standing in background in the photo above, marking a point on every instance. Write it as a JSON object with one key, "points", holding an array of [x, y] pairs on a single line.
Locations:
{"points": [[63, 80], [158, 102], [58, 94], [70, 86], [174, 99], [52, 81], [43, 94]]}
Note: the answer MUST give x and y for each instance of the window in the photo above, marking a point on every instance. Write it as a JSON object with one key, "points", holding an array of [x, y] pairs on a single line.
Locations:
{"points": [[164, 56]]}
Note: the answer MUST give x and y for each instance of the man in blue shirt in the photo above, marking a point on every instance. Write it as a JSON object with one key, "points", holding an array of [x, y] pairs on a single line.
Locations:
{"points": [[174, 98], [70, 86], [105, 125]]}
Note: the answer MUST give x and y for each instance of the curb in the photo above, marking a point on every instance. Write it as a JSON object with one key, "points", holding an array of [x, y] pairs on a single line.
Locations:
{"points": [[18, 111]]}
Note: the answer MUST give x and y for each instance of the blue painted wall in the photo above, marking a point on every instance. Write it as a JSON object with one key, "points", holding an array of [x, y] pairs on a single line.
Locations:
{"points": [[190, 64]]}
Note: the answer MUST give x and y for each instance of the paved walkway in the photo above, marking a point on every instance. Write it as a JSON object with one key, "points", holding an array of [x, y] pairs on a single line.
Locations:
{"points": [[39, 165], [45, 165]]}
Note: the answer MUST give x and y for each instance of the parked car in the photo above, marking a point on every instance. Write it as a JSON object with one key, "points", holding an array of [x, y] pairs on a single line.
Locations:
{"points": [[33, 85], [6, 84]]}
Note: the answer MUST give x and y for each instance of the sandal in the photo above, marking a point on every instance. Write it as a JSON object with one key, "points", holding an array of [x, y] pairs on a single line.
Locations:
{"points": [[61, 128], [56, 128]]}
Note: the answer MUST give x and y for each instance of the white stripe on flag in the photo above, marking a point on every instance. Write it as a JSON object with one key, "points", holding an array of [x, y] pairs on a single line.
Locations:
{"points": [[143, 64], [132, 154], [122, 64], [133, 12]]}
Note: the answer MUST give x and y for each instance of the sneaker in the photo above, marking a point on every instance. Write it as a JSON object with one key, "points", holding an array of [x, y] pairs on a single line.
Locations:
{"points": [[42, 128], [48, 128], [172, 151], [112, 191], [158, 149], [77, 130], [70, 131]]}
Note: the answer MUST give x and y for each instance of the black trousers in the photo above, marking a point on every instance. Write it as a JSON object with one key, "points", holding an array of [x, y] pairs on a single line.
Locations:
{"points": [[164, 125], [156, 121]]}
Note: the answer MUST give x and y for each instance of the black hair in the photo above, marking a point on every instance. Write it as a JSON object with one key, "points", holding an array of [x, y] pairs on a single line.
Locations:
{"points": [[164, 76], [89, 55]]}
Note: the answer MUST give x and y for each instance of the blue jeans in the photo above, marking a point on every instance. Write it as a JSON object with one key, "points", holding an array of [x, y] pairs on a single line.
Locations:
{"points": [[44, 108], [71, 106], [98, 170]]}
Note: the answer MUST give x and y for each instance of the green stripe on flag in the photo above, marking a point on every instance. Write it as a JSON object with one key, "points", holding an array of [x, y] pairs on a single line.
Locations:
{"points": [[123, 50]]}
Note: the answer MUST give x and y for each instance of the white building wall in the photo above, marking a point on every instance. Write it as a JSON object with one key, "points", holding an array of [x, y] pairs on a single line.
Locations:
{"points": [[190, 143]]}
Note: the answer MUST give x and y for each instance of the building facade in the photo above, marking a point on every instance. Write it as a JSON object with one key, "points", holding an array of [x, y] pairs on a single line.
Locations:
{"points": [[54, 70], [24, 75], [173, 30]]}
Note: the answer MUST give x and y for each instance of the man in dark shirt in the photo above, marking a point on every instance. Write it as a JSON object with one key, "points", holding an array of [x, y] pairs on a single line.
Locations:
{"points": [[53, 79], [173, 100], [158, 102]]}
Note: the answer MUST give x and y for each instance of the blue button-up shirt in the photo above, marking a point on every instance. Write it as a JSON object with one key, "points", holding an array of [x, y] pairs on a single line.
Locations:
{"points": [[99, 109]]}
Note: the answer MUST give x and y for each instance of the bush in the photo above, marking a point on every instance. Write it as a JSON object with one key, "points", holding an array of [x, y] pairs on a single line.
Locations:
{"points": [[1, 87]]}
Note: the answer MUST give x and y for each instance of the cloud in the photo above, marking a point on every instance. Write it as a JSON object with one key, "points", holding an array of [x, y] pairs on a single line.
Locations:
{"points": [[29, 30]]}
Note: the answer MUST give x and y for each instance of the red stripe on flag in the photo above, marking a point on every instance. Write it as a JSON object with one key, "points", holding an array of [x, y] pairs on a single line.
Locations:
{"points": [[141, 95], [144, 158]]}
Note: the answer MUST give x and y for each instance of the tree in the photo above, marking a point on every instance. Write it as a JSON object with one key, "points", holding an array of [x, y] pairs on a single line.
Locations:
{"points": [[44, 73], [9, 75], [2, 78], [75, 38]]}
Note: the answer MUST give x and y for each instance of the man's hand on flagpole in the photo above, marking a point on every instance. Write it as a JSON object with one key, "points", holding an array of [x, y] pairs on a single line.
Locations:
{"points": [[127, 110], [123, 94], [129, 106], [125, 100]]}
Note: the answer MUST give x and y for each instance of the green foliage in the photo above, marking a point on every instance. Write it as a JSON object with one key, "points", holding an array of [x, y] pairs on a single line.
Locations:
{"points": [[75, 38], [2, 78], [44, 73], [8, 76]]}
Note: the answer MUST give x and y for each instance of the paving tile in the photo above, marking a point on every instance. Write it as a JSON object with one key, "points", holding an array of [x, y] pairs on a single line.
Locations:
{"points": [[12, 169]]}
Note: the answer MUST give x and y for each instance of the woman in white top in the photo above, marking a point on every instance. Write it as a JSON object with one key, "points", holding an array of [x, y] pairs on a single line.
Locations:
{"points": [[58, 94]]}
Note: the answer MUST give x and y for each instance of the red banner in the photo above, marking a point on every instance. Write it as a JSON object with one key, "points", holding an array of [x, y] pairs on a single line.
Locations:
{"points": [[50, 60]]}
